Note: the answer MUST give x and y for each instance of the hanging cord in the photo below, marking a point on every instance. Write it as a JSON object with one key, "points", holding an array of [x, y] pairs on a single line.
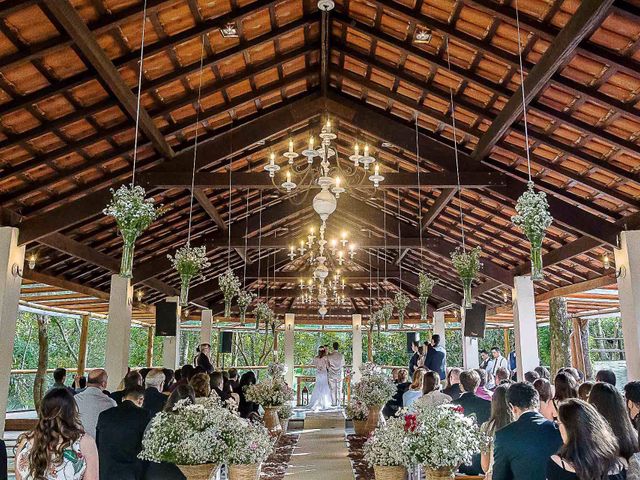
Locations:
{"points": [[419, 191], [384, 223], [229, 214], [246, 233], [455, 149], [400, 241], [141, 63], [195, 147], [524, 103], [259, 243], [370, 277]]}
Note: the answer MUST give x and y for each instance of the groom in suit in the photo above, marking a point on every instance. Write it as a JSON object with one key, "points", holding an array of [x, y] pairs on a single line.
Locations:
{"points": [[336, 364]]}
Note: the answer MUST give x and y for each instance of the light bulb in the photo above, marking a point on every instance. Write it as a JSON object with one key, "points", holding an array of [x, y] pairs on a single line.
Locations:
{"points": [[289, 177], [606, 262], [312, 230], [272, 158], [343, 234], [290, 145], [357, 149], [377, 169], [338, 182], [311, 141], [366, 150], [334, 243]]}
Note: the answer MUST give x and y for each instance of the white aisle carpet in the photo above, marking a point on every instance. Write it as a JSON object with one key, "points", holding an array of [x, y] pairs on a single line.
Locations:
{"points": [[321, 452]]}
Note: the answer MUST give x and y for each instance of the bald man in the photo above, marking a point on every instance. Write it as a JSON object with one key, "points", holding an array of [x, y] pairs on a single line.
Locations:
{"points": [[93, 401]]}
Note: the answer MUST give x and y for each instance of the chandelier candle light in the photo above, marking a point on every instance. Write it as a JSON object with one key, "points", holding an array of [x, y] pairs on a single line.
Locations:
{"points": [[230, 286], [401, 301], [189, 262], [425, 287], [467, 264]]}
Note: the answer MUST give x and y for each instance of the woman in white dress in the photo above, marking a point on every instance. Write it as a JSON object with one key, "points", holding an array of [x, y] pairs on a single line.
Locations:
{"points": [[321, 396]]}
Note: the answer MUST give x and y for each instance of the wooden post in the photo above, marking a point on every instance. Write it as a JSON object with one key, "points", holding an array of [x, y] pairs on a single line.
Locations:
{"points": [[82, 352], [559, 330], [507, 346], [150, 343], [369, 346]]}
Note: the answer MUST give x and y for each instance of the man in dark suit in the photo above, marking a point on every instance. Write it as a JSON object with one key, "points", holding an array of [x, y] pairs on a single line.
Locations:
{"points": [[522, 449], [119, 437], [436, 357], [154, 399], [3, 461], [474, 406], [413, 362], [453, 384]]}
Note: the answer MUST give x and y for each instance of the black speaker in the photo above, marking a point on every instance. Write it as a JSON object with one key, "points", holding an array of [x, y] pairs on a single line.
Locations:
{"points": [[166, 319], [474, 320], [225, 342], [412, 337]]}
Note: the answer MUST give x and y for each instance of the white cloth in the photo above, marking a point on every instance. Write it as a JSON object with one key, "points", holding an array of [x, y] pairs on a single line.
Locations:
{"points": [[321, 396], [91, 403], [336, 366]]}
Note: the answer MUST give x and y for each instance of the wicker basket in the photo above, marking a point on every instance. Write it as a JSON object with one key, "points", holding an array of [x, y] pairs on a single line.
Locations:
{"points": [[440, 473], [271, 420], [199, 472], [244, 472], [390, 473], [360, 428]]}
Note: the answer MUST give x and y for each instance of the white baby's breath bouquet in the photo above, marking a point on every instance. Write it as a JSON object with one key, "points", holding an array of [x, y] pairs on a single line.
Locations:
{"points": [[425, 287], [389, 445], [246, 443], [244, 300], [230, 287], [386, 312], [374, 388], [271, 392], [263, 314], [189, 262], [467, 264], [357, 410], [285, 411], [401, 302]]}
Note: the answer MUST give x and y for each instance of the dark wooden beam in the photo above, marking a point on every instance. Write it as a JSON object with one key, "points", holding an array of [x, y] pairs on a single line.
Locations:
{"points": [[438, 206], [401, 256]]}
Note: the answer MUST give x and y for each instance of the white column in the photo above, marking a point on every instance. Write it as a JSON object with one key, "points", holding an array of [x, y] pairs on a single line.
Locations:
{"points": [[439, 327], [11, 265], [206, 322], [118, 329], [525, 327], [171, 345], [470, 355], [289, 342], [628, 263], [356, 343]]}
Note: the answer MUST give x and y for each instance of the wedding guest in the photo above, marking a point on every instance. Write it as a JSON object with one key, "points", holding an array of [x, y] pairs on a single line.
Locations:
{"points": [[606, 375], [234, 380], [247, 409], [182, 392], [501, 376], [59, 378], [422, 357], [589, 450], [436, 358], [484, 359], [93, 401], [201, 386], [169, 379], [501, 416], [543, 372], [453, 383], [632, 396], [415, 389], [186, 372], [402, 385], [79, 383], [609, 403], [3, 460], [119, 437], [131, 379], [584, 390], [497, 361], [531, 376], [482, 390], [545, 393], [219, 388], [413, 362], [154, 399], [522, 448], [394, 374], [565, 388], [431, 394], [57, 444]]}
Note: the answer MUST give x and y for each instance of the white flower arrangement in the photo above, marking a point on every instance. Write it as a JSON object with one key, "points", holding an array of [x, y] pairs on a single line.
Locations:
{"points": [[389, 445], [133, 215], [374, 388], [374, 320], [425, 287], [246, 443], [401, 302], [533, 217], [357, 410], [271, 392], [276, 370], [263, 314], [189, 262], [467, 263], [230, 287], [285, 411], [386, 312], [244, 300]]}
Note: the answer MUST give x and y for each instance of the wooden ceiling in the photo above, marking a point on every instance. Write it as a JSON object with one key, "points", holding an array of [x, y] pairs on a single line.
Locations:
{"points": [[68, 86]]}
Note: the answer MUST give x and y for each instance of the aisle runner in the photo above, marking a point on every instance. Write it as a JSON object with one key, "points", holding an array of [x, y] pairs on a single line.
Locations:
{"points": [[321, 452]]}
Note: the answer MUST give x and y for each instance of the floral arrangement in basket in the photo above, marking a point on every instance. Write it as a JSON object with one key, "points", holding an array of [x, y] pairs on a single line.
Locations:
{"points": [[276, 370], [401, 302], [285, 411], [374, 388], [133, 215], [188, 435], [263, 314], [425, 287], [357, 410], [467, 264], [244, 300], [533, 217], [389, 445], [246, 443], [188, 262], [230, 286], [271, 392]]}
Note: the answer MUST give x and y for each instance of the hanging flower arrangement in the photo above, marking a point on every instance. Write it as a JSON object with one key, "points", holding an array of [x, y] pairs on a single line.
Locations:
{"points": [[401, 301], [386, 312], [467, 263], [375, 320], [244, 300], [133, 214], [533, 217], [425, 287], [263, 314], [189, 262], [230, 286]]}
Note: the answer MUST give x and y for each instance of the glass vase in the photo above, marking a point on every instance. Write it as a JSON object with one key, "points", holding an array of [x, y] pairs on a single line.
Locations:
{"points": [[243, 315], [467, 283], [400, 319], [424, 310], [227, 308], [184, 294], [536, 263], [126, 265]]}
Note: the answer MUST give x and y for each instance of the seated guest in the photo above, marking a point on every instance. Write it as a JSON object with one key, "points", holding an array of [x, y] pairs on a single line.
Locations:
{"points": [[431, 394], [394, 374], [402, 385], [154, 400], [453, 383], [119, 437], [501, 376], [501, 416], [79, 383], [632, 397], [543, 372], [58, 443], [186, 372], [436, 358], [59, 378], [169, 378], [93, 401], [247, 409], [234, 380], [182, 392], [3, 461], [565, 387], [482, 391], [584, 390], [218, 387], [522, 448], [132, 379], [414, 391], [545, 394], [607, 376], [572, 372], [531, 376], [201, 386], [589, 449]]}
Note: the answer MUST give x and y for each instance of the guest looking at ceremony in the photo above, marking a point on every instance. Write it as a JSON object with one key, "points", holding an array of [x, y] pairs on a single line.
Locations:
{"points": [[169, 380], [93, 401], [414, 391], [413, 361], [632, 396], [482, 391], [436, 357], [607, 376], [584, 390], [216, 381], [131, 379], [234, 380], [182, 392], [154, 399], [59, 379], [589, 450], [402, 385], [543, 372], [565, 387], [501, 416], [119, 437], [58, 444], [545, 394], [247, 409], [484, 359], [201, 386], [501, 376], [431, 394], [453, 383], [531, 376], [522, 448], [186, 372]]}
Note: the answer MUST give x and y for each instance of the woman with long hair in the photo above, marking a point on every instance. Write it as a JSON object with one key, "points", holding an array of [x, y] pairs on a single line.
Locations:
{"points": [[201, 386], [609, 403], [245, 408], [545, 392], [181, 392], [565, 387], [415, 389], [57, 448], [501, 416], [431, 394], [589, 450]]}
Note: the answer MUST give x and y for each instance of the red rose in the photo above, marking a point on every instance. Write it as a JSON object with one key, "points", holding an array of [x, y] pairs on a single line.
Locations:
{"points": [[458, 409], [410, 422]]}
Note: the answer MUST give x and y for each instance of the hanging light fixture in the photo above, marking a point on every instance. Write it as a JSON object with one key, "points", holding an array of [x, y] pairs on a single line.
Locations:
{"points": [[423, 35], [229, 31]]}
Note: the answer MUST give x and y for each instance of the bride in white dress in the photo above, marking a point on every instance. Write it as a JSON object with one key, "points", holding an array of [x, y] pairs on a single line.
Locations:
{"points": [[321, 396]]}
